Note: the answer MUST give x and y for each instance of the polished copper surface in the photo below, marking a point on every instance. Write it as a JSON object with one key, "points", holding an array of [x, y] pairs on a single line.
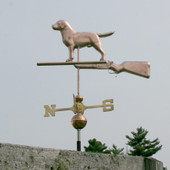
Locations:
{"points": [[140, 68], [78, 121], [73, 39]]}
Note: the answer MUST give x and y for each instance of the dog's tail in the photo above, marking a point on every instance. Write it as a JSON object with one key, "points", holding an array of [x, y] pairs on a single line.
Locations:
{"points": [[105, 34]]}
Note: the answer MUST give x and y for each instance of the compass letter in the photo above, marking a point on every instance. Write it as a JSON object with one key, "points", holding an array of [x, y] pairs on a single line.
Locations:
{"points": [[108, 107], [49, 110]]}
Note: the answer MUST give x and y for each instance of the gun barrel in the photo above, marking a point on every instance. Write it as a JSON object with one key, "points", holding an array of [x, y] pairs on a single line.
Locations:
{"points": [[92, 66], [70, 63]]}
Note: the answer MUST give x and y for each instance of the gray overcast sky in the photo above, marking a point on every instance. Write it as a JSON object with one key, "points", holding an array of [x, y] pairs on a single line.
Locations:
{"points": [[142, 33]]}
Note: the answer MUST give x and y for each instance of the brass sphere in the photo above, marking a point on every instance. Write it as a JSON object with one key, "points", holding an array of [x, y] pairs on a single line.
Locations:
{"points": [[78, 121], [79, 99]]}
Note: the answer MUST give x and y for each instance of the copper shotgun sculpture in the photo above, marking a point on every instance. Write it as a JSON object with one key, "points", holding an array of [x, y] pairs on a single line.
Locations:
{"points": [[139, 68]]}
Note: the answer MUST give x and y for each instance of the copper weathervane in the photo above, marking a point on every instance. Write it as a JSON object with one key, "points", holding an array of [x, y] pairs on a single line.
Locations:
{"points": [[76, 40]]}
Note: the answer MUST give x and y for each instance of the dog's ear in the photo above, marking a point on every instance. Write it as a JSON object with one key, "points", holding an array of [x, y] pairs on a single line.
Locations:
{"points": [[62, 24]]}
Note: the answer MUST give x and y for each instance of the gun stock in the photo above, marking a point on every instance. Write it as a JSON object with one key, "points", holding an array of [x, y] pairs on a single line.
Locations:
{"points": [[137, 68]]}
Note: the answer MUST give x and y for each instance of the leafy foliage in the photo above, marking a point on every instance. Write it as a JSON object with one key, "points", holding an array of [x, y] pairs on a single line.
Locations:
{"points": [[116, 151], [141, 146], [96, 146]]}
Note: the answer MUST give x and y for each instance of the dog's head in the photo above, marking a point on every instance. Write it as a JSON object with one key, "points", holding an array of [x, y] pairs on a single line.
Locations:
{"points": [[60, 25]]}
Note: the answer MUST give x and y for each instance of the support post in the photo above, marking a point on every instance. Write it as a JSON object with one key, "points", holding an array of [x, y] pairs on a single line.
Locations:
{"points": [[78, 140]]}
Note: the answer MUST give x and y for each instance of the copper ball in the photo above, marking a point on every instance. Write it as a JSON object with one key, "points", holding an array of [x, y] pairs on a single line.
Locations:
{"points": [[78, 121]]}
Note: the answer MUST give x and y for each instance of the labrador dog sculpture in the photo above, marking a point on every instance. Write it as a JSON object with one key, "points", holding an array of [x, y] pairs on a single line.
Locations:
{"points": [[73, 39]]}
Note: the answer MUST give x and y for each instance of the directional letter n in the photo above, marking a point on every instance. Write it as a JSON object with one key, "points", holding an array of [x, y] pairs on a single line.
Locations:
{"points": [[49, 110]]}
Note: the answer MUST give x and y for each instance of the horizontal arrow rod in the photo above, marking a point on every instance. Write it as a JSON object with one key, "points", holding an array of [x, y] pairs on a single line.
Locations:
{"points": [[95, 106], [70, 63], [63, 109]]}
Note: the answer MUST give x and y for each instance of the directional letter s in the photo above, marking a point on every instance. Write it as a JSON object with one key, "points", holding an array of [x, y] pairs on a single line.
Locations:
{"points": [[108, 107]]}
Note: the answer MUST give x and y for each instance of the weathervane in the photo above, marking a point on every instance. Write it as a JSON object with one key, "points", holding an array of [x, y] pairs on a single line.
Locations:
{"points": [[72, 40]]}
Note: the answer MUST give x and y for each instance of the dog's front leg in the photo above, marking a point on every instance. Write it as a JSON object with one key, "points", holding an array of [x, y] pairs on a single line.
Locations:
{"points": [[71, 53]]}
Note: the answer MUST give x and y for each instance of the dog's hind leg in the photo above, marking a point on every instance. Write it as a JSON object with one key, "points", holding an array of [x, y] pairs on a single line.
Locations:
{"points": [[98, 47]]}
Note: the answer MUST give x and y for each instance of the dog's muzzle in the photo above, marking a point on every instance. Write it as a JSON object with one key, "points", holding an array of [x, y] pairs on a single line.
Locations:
{"points": [[55, 27]]}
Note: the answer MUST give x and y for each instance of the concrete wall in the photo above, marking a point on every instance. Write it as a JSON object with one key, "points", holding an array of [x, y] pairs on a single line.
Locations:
{"points": [[16, 157]]}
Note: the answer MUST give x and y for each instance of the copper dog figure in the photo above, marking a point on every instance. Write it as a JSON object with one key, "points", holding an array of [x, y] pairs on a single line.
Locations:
{"points": [[73, 39]]}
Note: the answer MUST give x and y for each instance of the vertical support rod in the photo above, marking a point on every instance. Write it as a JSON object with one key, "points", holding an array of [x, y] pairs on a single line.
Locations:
{"points": [[78, 72], [78, 140], [78, 93]]}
